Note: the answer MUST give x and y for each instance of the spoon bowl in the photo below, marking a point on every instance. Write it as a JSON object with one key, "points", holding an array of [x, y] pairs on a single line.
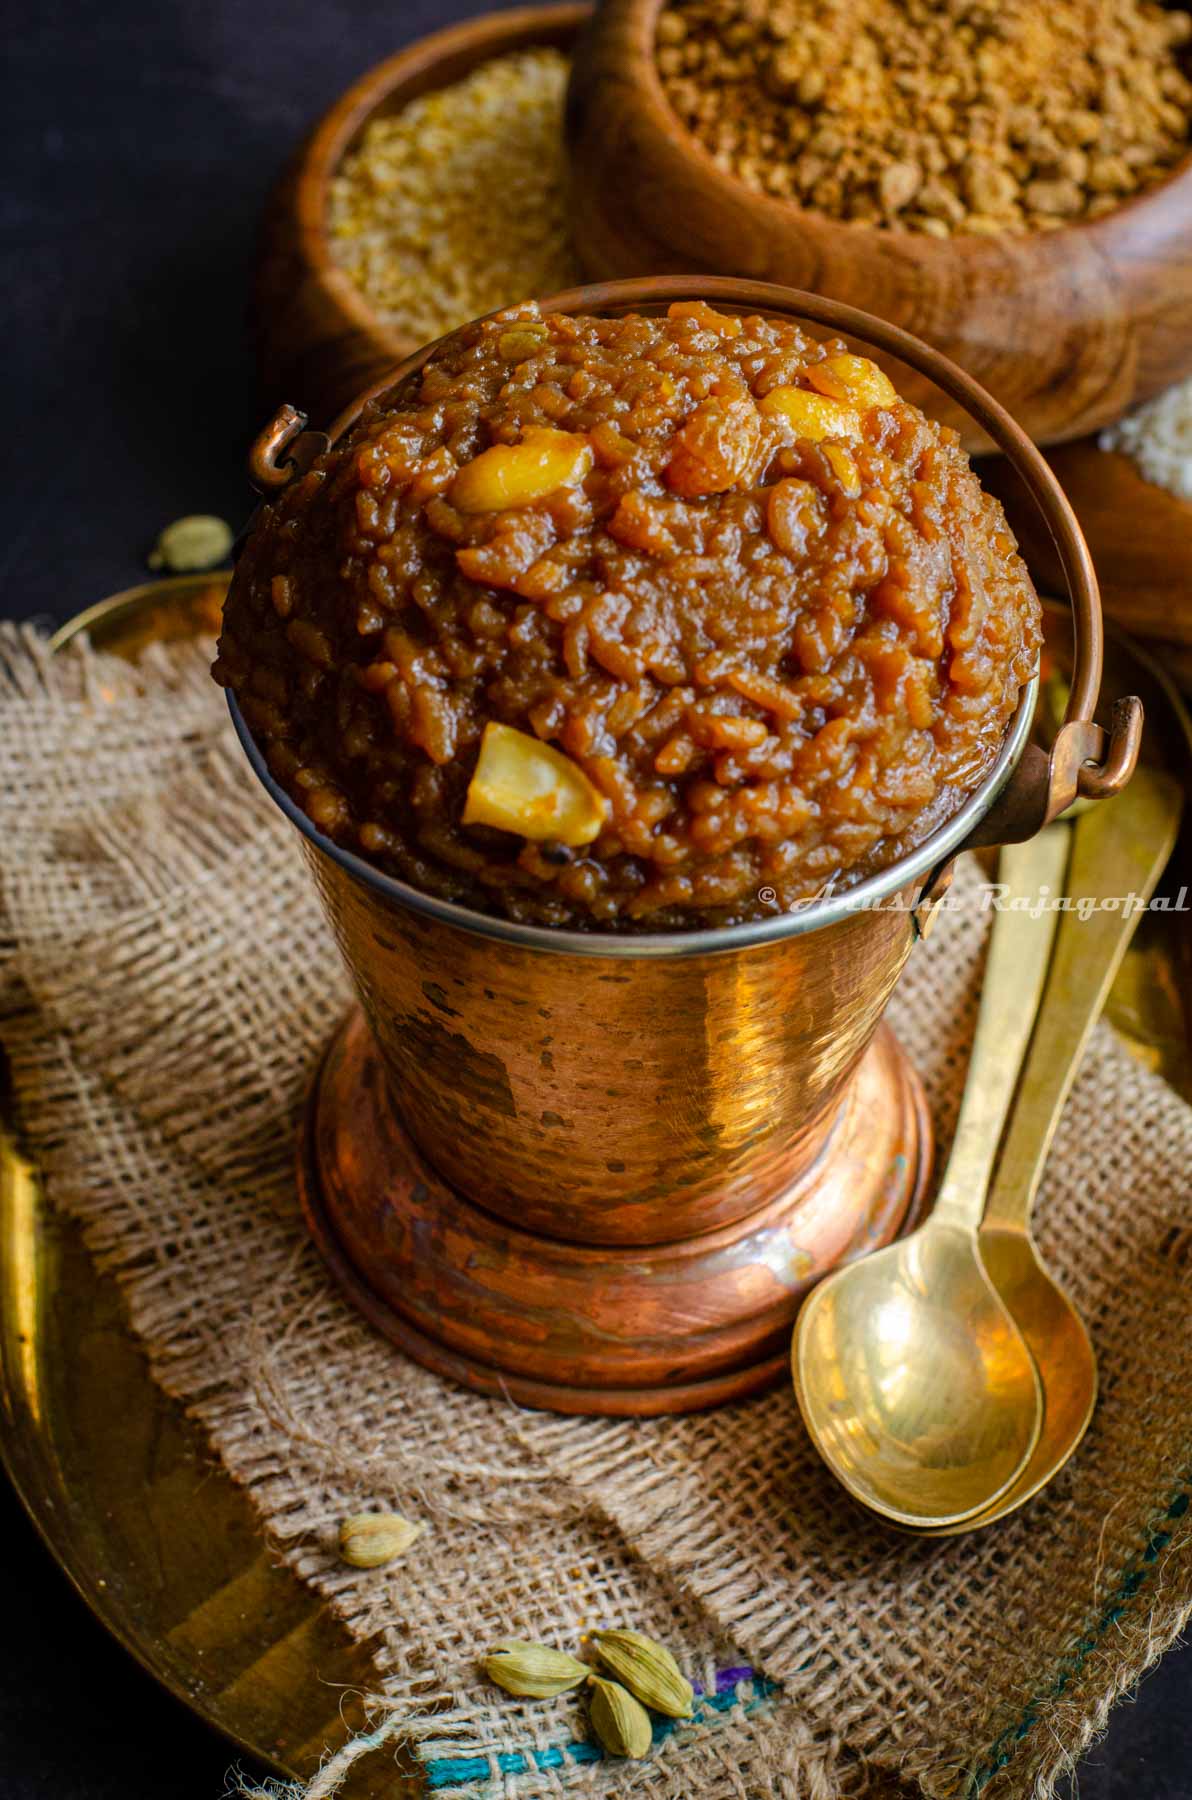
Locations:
{"points": [[1060, 1346], [915, 1382], [1119, 846]]}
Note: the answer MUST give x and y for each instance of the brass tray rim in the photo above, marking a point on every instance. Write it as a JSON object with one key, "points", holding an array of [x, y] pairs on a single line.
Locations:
{"points": [[20, 1187], [17, 1172], [131, 600]]}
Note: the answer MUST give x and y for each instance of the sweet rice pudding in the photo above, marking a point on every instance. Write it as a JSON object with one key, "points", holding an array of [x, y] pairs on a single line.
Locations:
{"points": [[641, 622]]}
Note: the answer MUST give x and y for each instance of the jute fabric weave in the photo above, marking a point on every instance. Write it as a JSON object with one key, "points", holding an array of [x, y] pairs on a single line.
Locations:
{"points": [[166, 982]]}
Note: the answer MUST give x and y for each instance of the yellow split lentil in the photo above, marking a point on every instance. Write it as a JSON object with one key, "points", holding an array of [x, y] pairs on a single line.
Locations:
{"points": [[454, 206]]}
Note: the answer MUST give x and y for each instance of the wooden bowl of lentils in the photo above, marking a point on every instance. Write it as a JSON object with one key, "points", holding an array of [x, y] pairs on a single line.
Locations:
{"points": [[431, 192], [1011, 181]]}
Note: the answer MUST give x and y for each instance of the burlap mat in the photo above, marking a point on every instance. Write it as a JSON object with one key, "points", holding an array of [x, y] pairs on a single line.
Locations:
{"points": [[166, 983]]}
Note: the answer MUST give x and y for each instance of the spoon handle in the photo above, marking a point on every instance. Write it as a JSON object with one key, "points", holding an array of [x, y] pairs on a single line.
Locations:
{"points": [[1119, 848], [1015, 968]]}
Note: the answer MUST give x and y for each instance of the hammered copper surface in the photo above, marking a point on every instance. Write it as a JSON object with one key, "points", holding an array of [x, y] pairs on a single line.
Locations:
{"points": [[592, 1328], [613, 1099]]}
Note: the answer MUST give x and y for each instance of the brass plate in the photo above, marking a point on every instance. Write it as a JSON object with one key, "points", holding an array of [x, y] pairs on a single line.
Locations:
{"points": [[164, 1548], [157, 612], [162, 1545]]}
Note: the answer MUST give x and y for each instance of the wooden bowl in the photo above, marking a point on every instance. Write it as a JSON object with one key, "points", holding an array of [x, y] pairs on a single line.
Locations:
{"points": [[1068, 329], [1139, 534], [318, 340]]}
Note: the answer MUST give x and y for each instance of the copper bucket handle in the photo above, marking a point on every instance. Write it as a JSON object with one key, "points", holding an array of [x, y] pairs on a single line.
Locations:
{"points": [[1084, 758], [284, 449]]}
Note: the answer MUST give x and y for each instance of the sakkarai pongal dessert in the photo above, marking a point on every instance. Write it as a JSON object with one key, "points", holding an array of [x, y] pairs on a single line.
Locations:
{"points": [[614, 623]]}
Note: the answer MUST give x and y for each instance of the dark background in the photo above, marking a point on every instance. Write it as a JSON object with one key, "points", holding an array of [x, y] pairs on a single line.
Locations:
{"points": [[141, 139]]}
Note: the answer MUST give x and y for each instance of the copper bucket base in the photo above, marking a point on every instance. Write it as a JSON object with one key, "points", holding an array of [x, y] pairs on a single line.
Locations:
{"points": [[581, 1328]]}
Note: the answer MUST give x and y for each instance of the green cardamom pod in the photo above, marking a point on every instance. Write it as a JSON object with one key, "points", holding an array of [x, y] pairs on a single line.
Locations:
{"points": [[197, 542], [532, 1670], [619, 1721], [367, 1540], [647, 1670]]}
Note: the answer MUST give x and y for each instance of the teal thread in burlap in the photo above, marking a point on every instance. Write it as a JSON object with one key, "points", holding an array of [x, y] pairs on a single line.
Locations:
{"points": [[1074, 1659], [443, 1773], [459, 1771]]}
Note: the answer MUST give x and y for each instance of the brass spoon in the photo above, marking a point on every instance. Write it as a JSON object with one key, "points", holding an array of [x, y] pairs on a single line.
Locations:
{"points": [[914, 1382], [1119, 847]]}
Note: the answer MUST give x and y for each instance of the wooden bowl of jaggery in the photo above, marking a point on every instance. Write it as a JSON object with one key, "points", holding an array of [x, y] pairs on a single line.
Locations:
{"points": [[1069, 327], [318, 339]]}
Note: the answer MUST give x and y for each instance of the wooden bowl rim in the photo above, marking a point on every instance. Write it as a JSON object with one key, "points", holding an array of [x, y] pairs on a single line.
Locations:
{"points": [[489, 34], [668, 133]]}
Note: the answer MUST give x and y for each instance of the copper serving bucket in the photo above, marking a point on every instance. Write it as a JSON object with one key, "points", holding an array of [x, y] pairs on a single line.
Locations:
{"points": [[643, 1148]]}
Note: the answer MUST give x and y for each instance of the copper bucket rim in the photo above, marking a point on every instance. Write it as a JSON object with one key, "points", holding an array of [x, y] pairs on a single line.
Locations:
{"points": [[271, 471]]}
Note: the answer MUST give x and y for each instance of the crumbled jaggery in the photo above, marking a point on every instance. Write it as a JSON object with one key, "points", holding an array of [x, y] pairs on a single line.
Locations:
{"points": [[936, 116]]}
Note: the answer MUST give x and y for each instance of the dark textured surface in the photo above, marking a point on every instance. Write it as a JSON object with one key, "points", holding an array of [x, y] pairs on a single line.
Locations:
{"points": [[140, 141]]}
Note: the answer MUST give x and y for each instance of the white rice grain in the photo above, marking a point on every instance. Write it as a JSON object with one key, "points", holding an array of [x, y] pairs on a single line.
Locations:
{"points": [[1158, 439]]}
